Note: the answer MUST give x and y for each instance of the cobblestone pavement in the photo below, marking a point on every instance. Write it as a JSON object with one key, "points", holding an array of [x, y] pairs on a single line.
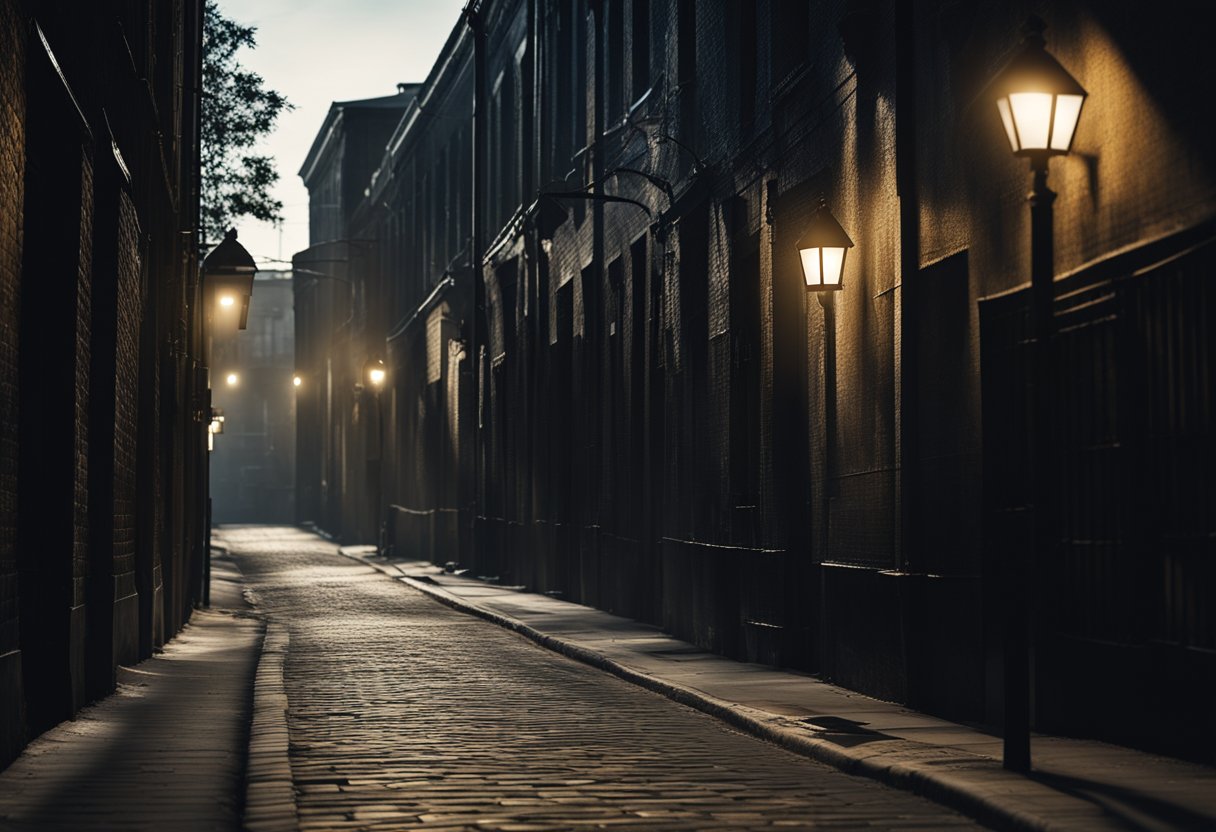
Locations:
{"points": [[404, 714]]}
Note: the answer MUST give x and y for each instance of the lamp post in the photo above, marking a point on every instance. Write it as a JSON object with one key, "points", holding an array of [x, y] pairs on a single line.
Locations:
{"points": [[1040, 105], [375, 374], [227, 285], [821, 251]]}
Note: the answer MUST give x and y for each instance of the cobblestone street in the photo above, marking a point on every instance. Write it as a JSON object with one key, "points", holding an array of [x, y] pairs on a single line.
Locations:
{"points": [[406, 714]]}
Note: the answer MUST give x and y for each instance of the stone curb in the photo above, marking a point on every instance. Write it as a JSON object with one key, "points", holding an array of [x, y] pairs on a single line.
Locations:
{"points": [[270, 797], [922, 776]]}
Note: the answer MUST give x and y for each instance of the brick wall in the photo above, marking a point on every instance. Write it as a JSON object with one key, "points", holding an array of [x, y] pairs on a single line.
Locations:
{"points": [[12, 169], [126, 405], [80, 486], [81, 540], [83, 303]]}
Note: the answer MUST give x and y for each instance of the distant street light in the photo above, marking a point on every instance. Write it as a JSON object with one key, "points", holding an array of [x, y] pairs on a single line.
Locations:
{"points": [[822, 250], [233, 379], [296, 381], [374, 374], [1040, 105]]}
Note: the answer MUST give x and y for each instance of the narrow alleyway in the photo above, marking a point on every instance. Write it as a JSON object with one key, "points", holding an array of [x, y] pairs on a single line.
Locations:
{"points": [[406, 714]]}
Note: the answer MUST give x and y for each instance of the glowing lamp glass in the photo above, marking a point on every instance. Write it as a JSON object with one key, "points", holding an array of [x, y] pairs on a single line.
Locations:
{"points": [[233, 379], [1040, 121], [376, 376], [1038, 100], [296, 381], [822, 267], [822, 251], [227, 300]]}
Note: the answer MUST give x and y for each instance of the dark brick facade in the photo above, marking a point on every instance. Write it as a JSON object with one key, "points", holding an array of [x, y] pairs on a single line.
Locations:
{"points": [[98, 154], [340, 321], [12, 180], [608, 380]]}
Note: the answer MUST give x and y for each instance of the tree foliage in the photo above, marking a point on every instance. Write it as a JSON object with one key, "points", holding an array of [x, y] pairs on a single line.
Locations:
{"points": [[237, 111]]}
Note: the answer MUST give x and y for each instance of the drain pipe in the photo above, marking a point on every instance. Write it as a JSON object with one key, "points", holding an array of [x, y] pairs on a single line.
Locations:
{"points": [[595, 317], [909, 267], [476, 23]]}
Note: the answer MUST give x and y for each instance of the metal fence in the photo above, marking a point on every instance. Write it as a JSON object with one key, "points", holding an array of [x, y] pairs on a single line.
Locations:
{"points": [[1122, 593]]}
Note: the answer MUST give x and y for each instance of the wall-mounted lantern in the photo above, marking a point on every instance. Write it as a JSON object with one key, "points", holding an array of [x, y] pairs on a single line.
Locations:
{"points": [[1039, 102], [215, 426], [233, 379], [228, 283], [822, 251], [375, 374], [297, 381]]}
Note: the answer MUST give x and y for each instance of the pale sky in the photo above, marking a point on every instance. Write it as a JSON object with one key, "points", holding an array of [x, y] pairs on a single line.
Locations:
{"points": [[319, 51]]}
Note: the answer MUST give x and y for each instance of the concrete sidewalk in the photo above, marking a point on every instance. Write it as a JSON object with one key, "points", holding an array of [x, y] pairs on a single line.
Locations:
{"points": [[1076, 784], [167, 750]]}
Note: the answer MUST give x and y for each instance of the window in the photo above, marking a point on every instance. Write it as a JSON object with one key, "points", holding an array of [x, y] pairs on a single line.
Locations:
{"points": [[791, 32], [745, 378], [578, 93], [614, 57], [520, 114], [686, 41], [640, 34], [563, 83], [505, 170], [637, 372], [746, 61], [686, 70]]}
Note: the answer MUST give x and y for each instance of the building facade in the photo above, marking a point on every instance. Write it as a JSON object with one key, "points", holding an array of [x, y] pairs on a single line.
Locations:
{"points": [[338, 321], [608, 380], [102, 504]]}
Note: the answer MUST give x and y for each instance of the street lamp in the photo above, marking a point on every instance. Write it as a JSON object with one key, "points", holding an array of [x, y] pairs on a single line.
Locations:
{"points": [[822, 250], [821, 253], [228, 282], [1039, 104], [233, 379], [375, 374], [296, 381]]}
